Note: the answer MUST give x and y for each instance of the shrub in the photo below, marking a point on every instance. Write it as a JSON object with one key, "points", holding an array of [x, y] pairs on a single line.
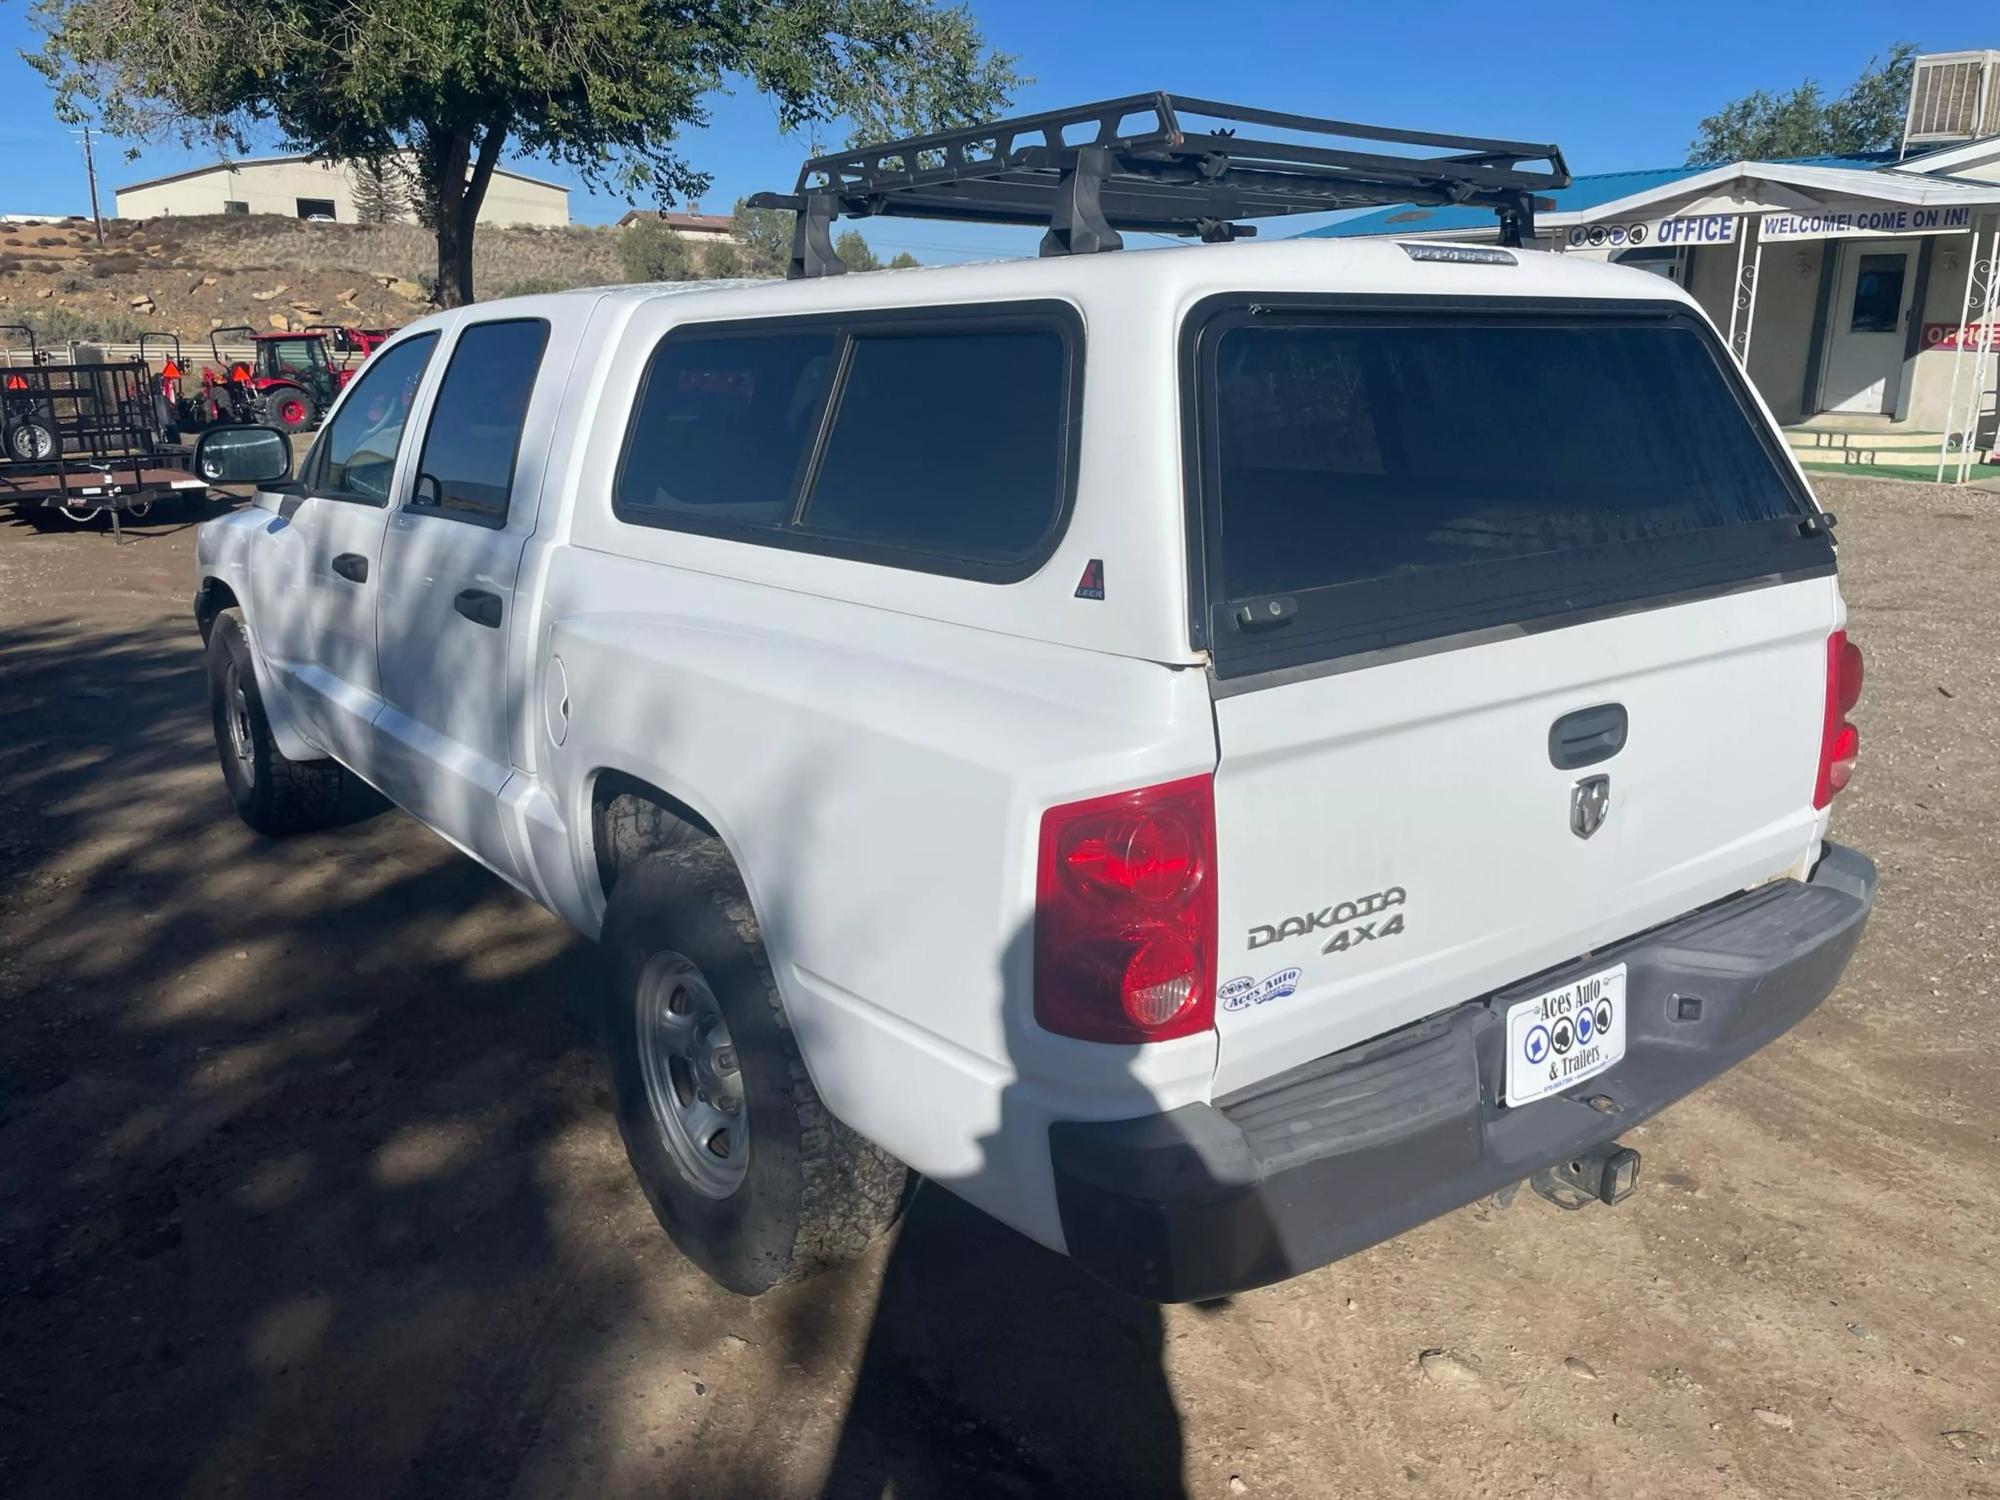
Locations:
{"points": [[63, 325], [722, 261], [531, 286], [650, 251]]}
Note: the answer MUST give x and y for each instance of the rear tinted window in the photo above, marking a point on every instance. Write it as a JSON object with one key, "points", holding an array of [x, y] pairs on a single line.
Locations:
{"points": [[1372, 477], [723, 428], [1351, 453], [944, 448], [949, 443]]}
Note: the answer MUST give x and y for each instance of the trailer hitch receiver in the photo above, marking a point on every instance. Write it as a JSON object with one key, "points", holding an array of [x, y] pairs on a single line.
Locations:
{"points": [[1603, 1174]]}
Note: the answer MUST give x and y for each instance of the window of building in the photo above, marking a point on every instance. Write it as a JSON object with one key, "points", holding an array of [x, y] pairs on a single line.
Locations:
{"points": [[466, 470], [235, 206], [316, 208]]}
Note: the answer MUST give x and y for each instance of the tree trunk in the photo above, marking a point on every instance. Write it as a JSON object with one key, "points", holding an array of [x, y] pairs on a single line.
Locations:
{"points": [[459, 197]]}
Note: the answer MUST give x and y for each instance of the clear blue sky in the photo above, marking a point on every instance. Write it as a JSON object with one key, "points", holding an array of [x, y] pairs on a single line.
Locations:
{"points": [[1618, 86]]}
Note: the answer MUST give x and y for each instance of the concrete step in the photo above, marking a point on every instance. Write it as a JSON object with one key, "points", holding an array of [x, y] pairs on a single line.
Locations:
{"points": [[1894, 458], [1813, 439]]}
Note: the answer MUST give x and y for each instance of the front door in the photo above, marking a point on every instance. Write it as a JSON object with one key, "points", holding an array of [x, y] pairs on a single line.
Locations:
{"points": [[1870, 324], [448, 613], [340, 518]]}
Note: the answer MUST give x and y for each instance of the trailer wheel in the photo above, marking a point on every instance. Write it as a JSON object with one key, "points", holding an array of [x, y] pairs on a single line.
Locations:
{"points": [[289, 406], [32, 442]]}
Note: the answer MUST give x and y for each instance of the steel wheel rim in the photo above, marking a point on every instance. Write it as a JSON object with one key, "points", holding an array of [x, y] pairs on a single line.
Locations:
{"points": [[236, 714], [694, 1084]]}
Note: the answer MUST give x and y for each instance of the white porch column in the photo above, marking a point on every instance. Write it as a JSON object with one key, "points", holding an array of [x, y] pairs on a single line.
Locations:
{"points": [[1972, 274], [1750, 311], [1736, 286]]}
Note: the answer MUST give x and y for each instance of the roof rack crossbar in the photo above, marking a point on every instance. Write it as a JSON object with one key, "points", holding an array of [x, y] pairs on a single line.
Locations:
{"points": [[1128, 164]]}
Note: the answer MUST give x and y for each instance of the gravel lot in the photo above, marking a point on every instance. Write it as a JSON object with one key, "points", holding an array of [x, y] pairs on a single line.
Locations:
{"points": [[308, 1184]]}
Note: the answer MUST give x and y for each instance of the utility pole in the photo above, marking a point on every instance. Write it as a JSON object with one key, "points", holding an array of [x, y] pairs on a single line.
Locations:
{"points": [[90, 167]]}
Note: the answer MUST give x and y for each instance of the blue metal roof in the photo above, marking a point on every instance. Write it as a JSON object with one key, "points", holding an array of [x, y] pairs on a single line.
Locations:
{"points": [[1583, 193]]}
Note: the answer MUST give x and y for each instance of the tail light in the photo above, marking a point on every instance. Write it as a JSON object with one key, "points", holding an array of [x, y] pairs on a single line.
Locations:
{"points": [[1125, 915], [1840, 741]]}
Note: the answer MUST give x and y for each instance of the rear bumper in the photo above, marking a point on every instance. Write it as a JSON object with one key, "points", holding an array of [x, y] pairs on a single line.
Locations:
{"points": [[1346, 1151]]}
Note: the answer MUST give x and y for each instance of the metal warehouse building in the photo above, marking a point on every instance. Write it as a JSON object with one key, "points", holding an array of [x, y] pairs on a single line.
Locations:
{"points": [[1859, 292], [309, 187]]}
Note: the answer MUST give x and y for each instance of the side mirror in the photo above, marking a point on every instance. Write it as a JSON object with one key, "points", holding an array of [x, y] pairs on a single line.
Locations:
{"points": [[243, 455]]}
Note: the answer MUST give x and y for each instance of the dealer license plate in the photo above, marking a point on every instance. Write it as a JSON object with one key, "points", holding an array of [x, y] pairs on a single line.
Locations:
{"points": [[1565, 1036]]}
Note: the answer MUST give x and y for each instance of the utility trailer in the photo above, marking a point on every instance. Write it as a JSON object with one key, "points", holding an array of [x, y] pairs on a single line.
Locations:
{"points": [[85, 438]]}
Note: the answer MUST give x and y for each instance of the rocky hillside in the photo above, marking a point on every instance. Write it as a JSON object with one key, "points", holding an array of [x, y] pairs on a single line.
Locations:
{"points": [[188, 275]]}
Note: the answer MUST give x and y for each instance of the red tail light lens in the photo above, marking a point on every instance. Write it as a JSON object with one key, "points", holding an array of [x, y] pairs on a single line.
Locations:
{"points": [[1125, 915], [1840, 741]]}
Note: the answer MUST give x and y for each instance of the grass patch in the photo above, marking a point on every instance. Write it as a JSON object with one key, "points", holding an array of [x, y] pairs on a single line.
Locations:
{"points": [[1923, 474], [55, 326]]}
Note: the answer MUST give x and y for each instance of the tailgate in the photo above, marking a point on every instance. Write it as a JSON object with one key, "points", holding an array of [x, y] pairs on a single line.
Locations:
{"points": [[1401, 837], [1518, 621]]}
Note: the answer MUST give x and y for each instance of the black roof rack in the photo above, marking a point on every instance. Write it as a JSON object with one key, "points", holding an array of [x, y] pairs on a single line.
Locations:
{"points": [[1130, 164]]}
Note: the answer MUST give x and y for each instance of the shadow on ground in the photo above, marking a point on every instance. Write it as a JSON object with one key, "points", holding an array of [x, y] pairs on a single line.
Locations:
{"points": [[307, 1185]]}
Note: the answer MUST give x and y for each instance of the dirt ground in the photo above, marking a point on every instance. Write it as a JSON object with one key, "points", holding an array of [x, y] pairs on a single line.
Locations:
{"points": [[308, 1183]]}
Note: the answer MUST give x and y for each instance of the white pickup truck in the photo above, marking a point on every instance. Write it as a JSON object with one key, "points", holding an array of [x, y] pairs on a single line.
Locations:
{"points": [[1215, 755]]}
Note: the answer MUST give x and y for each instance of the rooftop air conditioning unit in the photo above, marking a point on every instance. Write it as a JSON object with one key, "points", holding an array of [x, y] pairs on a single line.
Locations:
{"points": [[1954, 96]]}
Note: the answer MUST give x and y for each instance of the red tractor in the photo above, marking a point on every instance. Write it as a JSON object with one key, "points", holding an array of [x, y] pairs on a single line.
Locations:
{"points": [[291, 378]]}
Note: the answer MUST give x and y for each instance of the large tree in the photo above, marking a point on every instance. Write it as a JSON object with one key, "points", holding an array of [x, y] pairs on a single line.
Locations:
{"points": [[603, 86], [1803, 122]]}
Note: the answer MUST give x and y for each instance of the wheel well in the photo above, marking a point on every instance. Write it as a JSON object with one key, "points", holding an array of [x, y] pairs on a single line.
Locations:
{"points": [[210, 600], [631, 818]]}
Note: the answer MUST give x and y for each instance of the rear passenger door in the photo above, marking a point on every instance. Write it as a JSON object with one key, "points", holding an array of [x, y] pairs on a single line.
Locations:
{"points": [[448, 623]]}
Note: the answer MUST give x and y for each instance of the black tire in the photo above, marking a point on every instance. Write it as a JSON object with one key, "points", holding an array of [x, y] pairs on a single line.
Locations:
{"points": [[273, 794], [33, 441], [813, 1194], [290, 408]]}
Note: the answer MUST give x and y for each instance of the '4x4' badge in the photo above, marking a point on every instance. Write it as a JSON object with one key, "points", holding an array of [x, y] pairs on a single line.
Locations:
{"points": [[1589, 805]]}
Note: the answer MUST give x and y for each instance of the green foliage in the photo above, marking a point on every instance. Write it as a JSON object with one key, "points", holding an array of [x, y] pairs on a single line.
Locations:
{"points": [[605, 87], [904, 261], [381, 191], [853, 249], [649, 251], [534, 286], [1803, 122], [722, 262], [64, 325], [765, 238]]}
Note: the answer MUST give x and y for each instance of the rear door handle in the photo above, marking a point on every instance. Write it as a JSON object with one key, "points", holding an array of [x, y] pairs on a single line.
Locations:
{"points": [[1587, 736], [478, 606], [351, 566]]}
